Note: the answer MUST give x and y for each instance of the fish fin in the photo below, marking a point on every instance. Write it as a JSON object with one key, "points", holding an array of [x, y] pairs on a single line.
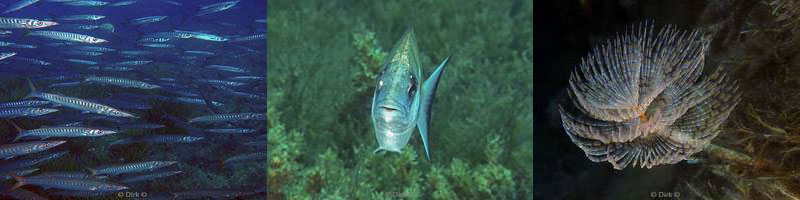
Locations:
{"points": [[428, 94], [19, 130], [33, 89], [20, 181], [92, 171], [376, 150]]}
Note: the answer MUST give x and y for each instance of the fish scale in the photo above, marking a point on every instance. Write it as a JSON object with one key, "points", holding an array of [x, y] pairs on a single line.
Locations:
{"points": [[79, 184], [16, 149]]}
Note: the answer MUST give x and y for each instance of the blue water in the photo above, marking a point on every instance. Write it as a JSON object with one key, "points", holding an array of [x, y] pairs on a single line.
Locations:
{"points": [[180, 75]]}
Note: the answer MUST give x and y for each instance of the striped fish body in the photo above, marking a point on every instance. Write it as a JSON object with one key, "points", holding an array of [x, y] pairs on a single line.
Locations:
{"points": [[221, 82], [131, 167], [82, 17], [16, 149], [250, 38], [4, 55], [80, 175], [78, 184], [231, 130], [229, 117], [86, 3], [147, 20], [174, 34], [18, 164], [216, 7], [81, 104], [196, 101], [226, 68], [79, 61], [25, 103], [157, 45], [67, 131], [9, 23], [73, 37], [19, 5], [159, 139], [150, 176], [121, 82], [25, 112]]}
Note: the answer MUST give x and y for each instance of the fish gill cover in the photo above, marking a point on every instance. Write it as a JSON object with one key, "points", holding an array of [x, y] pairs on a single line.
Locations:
{"points": [[155, 99], [325, 60]]}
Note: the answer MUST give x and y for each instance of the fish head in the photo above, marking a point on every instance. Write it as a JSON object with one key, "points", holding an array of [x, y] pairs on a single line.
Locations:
{"points": [[396, 101], [49, 144], [95, 40], [39, 23]]}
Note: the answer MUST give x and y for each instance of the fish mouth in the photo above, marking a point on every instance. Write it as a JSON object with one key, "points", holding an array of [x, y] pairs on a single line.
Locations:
{"points": [[390, 106]]}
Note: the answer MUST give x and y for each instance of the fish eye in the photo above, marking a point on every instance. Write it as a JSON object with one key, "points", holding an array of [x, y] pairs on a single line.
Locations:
{"points": [[412, 88], [380, 84]]}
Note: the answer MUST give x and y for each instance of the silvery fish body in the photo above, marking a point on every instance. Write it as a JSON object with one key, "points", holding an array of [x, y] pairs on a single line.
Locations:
{"points": [[216, 7], [8, 22], [19, 5], [402, 101], [73, 37]]}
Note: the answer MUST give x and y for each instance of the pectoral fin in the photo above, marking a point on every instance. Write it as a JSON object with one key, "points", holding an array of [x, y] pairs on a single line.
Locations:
{"points": [[428, 94]]}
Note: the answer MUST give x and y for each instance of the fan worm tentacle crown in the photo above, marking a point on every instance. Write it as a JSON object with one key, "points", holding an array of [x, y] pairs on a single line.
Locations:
{"points": [[642, 98]]}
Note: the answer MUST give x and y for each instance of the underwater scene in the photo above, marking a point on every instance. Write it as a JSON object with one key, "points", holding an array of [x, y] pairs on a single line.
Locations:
{"points": [[427, 99], [133, 99], [667, 99]]}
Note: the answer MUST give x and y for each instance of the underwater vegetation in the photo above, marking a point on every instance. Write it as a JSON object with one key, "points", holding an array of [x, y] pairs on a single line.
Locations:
{"points": [[324, 57], [642, 100]]}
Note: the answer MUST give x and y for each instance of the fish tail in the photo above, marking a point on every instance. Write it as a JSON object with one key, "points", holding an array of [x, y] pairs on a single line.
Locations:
{"points": [[20, 181], [19, 130]]}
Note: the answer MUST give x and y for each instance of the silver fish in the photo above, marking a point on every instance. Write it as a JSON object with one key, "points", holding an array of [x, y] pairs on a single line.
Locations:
{"points": [[67, 131], [147, 20], [19, 5], [80, 104], [79, 184], [17, 149], [229, 117], [25, 112], [121, 82], [130, 167], [217, 7], [74, 37], [4, 55], [82, 17], [402, 101], [8, 22]]}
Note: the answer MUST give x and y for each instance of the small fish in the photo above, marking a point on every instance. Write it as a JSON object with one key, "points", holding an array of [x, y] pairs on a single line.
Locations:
{"points": [[229, 117], [226, 68], [73, 37], [231, 130], [19, 5], [17, 149], [81, 175], [4, 55], [31, 60], [217, 7], [25, 103], [8, 22], [66, 131], [196, 101], [172, 2], [121, 82], [86, 3], [68, 183], [262, 36], [80, 104], [25, 112], [402, 101], [204, 36], [159, 139], [147, 20], [157, 45], [130, 167], [82, 17], [122, 3], [29, 161], [84, 62]]}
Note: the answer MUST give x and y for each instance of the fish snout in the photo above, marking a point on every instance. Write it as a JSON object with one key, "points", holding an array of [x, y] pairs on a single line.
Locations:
{"points": [[390, 108]]}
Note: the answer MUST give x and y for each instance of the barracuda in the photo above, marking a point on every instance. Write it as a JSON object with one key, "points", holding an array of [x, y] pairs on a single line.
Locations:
{"points": [[74, 37], [67, 131], [397, 106], [16, 149], [130, 167], [80, 104], [121, 82], [229, 117], [8, 22], [68, 183]]}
